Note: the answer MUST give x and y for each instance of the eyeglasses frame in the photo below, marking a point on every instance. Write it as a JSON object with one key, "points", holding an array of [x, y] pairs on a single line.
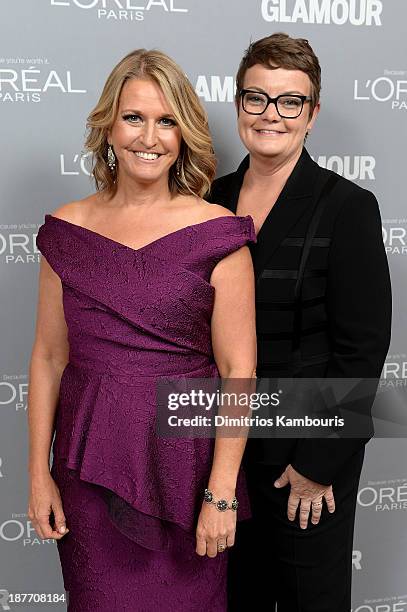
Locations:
{"points": [[274, 101]]}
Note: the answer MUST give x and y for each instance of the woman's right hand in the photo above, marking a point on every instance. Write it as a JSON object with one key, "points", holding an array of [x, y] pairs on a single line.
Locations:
{"points": [[44, 499]]}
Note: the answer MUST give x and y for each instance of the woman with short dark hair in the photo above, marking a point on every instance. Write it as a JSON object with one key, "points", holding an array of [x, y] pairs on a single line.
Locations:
{"points": [[323, 310]]}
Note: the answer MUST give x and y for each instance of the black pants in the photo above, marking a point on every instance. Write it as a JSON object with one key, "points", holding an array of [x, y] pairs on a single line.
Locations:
{"points": [[275, 562]]}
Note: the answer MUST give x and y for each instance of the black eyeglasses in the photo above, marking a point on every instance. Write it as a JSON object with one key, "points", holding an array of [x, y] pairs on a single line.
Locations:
{"points": [[287, 106]]}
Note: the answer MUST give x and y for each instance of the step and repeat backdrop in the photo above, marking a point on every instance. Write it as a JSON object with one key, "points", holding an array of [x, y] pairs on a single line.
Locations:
{"points": [[54, 58]]}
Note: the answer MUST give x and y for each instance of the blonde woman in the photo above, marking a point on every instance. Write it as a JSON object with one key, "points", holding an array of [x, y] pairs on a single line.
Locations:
{"points": [[139, 280]]}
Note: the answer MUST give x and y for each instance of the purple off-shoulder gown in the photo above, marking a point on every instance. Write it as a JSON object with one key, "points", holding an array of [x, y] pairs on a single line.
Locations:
{"points": [[132, 498]]}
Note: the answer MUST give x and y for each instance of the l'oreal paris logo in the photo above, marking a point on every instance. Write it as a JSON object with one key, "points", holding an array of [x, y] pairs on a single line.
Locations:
{"points": [[337, 12], [124, 10], [384, 498], [20, 530], [28, 84], [13, 394], [386, 88], [17, 245], [394, 371], [74, 165], [395, 236]]}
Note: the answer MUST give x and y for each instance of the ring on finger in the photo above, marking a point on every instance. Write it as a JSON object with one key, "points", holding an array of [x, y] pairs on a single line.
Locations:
{"points": [[221, 546]]}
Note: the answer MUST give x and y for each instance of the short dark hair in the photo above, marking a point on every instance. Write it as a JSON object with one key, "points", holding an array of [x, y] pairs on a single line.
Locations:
{"points": [[281, 51]]}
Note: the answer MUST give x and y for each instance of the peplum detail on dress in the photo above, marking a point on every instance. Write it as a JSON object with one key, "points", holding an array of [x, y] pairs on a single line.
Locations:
{"points": [[133, 316]]}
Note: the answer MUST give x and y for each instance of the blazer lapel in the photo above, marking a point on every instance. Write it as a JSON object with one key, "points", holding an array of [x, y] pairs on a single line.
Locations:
{"points": [[295, 198]]}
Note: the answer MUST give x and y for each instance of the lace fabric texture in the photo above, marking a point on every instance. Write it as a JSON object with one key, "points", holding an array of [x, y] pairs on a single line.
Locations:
{"points": [[134, 315]]}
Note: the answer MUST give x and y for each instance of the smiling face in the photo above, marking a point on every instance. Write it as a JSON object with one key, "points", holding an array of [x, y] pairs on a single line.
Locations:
{"points": [[269, 136], [145, 137]]}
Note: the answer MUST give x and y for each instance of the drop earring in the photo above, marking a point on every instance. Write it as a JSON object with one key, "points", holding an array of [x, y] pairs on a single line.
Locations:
{"points": [[178, 166], [111, 158]]}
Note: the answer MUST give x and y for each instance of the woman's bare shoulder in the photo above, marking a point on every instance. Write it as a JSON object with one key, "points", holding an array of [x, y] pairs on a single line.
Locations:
{"points": [[212, 211], [75, 211]]}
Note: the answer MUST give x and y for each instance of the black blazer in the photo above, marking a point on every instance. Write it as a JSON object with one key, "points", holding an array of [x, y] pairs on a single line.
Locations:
{"points": [[345, 303]]}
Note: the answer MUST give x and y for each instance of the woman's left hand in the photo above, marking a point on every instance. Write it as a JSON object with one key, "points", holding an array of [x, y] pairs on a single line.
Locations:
{"points": [[214, 528]]}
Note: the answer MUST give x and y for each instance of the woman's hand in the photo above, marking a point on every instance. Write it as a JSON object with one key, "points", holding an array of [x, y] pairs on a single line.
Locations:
{"points": [[305, 494], [44, 499], [214, 528]]}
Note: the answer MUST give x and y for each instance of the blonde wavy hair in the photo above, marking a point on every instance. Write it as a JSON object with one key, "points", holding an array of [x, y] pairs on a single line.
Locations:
{"points": [[197, 163]]}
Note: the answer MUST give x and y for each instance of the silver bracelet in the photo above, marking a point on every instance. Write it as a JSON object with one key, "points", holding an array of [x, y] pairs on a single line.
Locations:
{"points": [[221, 505]]}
